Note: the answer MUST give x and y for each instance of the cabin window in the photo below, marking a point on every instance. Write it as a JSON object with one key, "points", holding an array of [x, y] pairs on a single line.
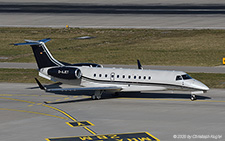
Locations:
{"points": [[129, 76], [134, 77], [100, 75], [123, 76], [118, 76], [178, 78], [106, 75], [139, 77], [144, 77], [95, 75], [149, 78]]}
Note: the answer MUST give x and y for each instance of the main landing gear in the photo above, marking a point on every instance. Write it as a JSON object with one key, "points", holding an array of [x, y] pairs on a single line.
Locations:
{"points": [[97, 95]]}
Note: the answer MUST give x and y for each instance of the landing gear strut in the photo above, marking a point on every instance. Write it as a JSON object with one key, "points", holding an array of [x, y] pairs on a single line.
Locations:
{"points": [[97, 95]]}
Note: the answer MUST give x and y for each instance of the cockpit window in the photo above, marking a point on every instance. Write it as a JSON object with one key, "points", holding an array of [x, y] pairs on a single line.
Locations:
{"points": [[178, 78], [186, 76]]}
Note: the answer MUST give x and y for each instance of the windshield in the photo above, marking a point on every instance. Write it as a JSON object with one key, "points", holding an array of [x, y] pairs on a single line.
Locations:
{"points": [[186, 76]]}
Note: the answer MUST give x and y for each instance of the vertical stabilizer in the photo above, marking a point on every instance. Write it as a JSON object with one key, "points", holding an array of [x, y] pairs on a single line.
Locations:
{"points": [[42, 55]]}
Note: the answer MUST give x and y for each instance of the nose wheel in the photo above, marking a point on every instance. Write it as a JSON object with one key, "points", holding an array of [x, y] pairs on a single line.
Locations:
{"points": [[193, 97]]}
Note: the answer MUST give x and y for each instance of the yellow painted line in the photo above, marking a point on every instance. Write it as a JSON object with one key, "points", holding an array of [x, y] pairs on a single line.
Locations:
{"points": [[86, 128], [42, 105], [85, 96], [18, 100], [60, 111], [30, 105], [6, 95], [80, 123], [118, 137], [210, 101], [31, 112], [89, 130], [152, 136], [91, 124], [39, 104], [69, 124]]}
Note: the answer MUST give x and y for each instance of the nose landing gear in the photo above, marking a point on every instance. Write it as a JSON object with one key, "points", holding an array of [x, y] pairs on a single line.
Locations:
{"points": [[193, 97], [193, 94]]}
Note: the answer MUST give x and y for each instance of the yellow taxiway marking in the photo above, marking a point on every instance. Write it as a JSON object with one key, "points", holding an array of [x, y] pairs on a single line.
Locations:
{"points": [[138, 136], [69, 116], [61, 111], [80, 123], [17, 100], [51, 107], [31, 112]]}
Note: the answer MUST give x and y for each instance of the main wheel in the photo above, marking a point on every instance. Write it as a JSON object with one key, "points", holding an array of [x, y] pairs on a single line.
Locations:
{"points": [[93, 97]]}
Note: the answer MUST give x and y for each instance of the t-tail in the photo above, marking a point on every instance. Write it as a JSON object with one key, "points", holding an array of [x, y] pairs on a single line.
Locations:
{"points": [[42, 55]]}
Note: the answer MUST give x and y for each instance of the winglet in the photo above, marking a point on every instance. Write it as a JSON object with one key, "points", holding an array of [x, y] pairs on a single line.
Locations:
{"points": [[40, 85], [139, 65]]}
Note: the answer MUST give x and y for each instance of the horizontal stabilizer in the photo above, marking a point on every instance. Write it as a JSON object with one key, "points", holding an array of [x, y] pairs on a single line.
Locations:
{"points": [[39, 84], [31, 42], [28, 43]]}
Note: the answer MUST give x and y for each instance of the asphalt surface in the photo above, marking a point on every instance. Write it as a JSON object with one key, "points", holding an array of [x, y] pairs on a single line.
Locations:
{"points": [[165, 115], [173, 14]]}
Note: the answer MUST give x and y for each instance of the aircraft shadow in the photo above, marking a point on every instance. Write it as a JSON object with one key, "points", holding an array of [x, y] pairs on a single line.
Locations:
{"points": [[161, 96], [69, 101], [127, 95], [49, 86]]}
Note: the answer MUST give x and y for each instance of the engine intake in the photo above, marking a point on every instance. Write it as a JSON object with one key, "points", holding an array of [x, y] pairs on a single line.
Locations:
{"points": [[65, 72]]}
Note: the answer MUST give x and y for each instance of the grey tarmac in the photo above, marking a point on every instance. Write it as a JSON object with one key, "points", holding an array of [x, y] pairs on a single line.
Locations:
{"points": [[161, 14], [166, 115]]}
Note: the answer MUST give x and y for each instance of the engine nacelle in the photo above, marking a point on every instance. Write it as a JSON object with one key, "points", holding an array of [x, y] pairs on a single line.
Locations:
{"points": [[65, 72]]}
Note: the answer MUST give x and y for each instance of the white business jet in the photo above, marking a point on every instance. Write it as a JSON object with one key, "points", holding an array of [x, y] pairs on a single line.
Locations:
{"points": [[95, 77]]}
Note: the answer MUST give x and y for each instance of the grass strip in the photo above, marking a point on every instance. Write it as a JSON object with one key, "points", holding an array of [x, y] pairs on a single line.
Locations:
{"points": [[119, 46]]}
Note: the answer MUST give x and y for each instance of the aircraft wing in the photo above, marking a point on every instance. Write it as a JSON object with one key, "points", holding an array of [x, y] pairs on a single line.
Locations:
{"points": [[84, 89], [78, 89]]}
